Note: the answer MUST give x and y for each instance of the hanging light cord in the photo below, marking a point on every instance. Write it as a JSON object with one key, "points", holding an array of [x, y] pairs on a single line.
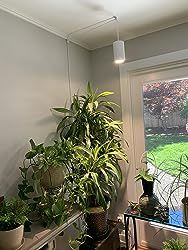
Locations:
{"points": [[117, 27], [89, 28], [94, 26], [68, 69]]}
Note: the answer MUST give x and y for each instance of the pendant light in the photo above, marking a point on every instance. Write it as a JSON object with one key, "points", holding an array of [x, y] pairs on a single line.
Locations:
{"points": [[118, 47]]}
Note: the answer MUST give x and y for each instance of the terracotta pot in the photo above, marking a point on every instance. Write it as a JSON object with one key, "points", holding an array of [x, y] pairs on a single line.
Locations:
{"points": [[96, 220], [11, 240], [53, 177]]}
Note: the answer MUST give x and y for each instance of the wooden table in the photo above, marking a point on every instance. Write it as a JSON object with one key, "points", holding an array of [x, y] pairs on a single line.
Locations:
{"points": [[40, 236]]}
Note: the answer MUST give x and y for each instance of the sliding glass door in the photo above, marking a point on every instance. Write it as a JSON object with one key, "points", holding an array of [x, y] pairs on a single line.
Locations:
{"points": [[155, 114]]}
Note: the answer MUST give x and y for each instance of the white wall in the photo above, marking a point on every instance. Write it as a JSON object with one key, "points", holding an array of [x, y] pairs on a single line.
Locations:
{"points": [[33, 78], [105, 74]]}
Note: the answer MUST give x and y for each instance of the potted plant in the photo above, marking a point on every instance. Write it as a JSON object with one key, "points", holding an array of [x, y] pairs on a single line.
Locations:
{"points": [[95, 181], [13, 215], [182, 177], [134, 207], [97, 138], [43, 174], [181, 181], [89, 119], [47, 163], [148, 201], [174, 245]]}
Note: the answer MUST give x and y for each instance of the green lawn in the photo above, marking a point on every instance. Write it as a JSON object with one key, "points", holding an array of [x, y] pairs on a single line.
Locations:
{"points": [[167, 148]]}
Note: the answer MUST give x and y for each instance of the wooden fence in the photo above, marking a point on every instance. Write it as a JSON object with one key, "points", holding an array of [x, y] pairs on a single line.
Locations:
{"points": [[173, 120]]}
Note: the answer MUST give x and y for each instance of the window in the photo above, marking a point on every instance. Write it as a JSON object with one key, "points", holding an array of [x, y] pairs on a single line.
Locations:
{"points": [[165, 106]]}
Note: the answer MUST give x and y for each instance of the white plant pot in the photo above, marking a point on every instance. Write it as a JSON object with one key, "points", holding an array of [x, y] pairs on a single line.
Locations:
{"points": [[11, 240]]}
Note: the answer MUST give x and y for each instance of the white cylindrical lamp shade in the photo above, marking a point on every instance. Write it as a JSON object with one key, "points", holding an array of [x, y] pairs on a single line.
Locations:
{"points": [[119, 51]]}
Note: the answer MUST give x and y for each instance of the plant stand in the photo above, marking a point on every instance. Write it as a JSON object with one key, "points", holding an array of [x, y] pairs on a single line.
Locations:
{"points": [[175, 220], [110, 242]]}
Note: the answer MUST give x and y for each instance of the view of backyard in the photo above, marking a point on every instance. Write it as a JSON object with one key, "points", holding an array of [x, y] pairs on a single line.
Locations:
{"points": [[166, 136], [167, 148], [166, 122]]}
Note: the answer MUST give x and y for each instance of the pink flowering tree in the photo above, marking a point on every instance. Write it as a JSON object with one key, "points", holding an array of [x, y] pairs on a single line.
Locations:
{"points": [[164, 97]]}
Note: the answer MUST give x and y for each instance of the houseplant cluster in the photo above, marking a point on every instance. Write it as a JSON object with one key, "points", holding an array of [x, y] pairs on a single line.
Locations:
{"points": [[80, 170]]}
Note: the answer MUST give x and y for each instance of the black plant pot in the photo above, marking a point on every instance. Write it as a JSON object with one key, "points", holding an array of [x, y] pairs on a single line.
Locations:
{"points": [[147, 187], [96, 221], [148, 201]]}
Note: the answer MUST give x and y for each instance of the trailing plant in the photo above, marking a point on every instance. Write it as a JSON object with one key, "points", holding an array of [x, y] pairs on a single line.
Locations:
{"points": [[51, 205], [97, 175], [174, 245], [38, 160], [13, 213], [181, 179], [88, 121], [82, 235], [53, 208]]}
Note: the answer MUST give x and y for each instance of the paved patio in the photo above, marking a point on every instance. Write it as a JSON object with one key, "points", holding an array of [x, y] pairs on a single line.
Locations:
{"points": [[162, 188]]}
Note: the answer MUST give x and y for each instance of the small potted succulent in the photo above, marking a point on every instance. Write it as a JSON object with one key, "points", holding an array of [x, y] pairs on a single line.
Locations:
{"points": [[13, 215], [134, 207], [148, 201]]}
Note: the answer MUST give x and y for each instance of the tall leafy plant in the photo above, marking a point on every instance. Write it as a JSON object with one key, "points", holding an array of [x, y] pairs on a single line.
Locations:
{"points": [[97, 175], [97, 138], [88, 121]]}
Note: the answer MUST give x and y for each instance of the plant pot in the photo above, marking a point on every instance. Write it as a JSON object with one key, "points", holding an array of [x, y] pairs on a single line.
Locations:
{"points": [[148, 201], [96, 220], [53, 177], [185, 210], [11, 240]]}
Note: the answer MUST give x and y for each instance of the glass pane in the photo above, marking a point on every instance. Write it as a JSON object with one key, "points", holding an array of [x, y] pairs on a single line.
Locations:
{"points": [[166, 135]]}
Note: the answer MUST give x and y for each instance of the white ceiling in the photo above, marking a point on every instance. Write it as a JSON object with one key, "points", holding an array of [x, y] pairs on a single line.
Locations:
{"points": [[136, 17]]}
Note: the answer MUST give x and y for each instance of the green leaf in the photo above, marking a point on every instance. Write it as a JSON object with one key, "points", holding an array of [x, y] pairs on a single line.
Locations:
{"points": [[32, 143], [23, 170], [110, 108], [62, 110], [103, 94], [31, 154], [62, 123], [105, 174], [114, 170], [89, 89]]}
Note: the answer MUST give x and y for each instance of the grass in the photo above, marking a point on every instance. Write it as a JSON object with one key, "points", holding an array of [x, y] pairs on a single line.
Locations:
{"points": [[166, 149]]}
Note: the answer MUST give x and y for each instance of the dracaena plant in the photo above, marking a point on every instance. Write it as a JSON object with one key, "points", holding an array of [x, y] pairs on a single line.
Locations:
{"points": [[88, 120], [97, 175]]}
